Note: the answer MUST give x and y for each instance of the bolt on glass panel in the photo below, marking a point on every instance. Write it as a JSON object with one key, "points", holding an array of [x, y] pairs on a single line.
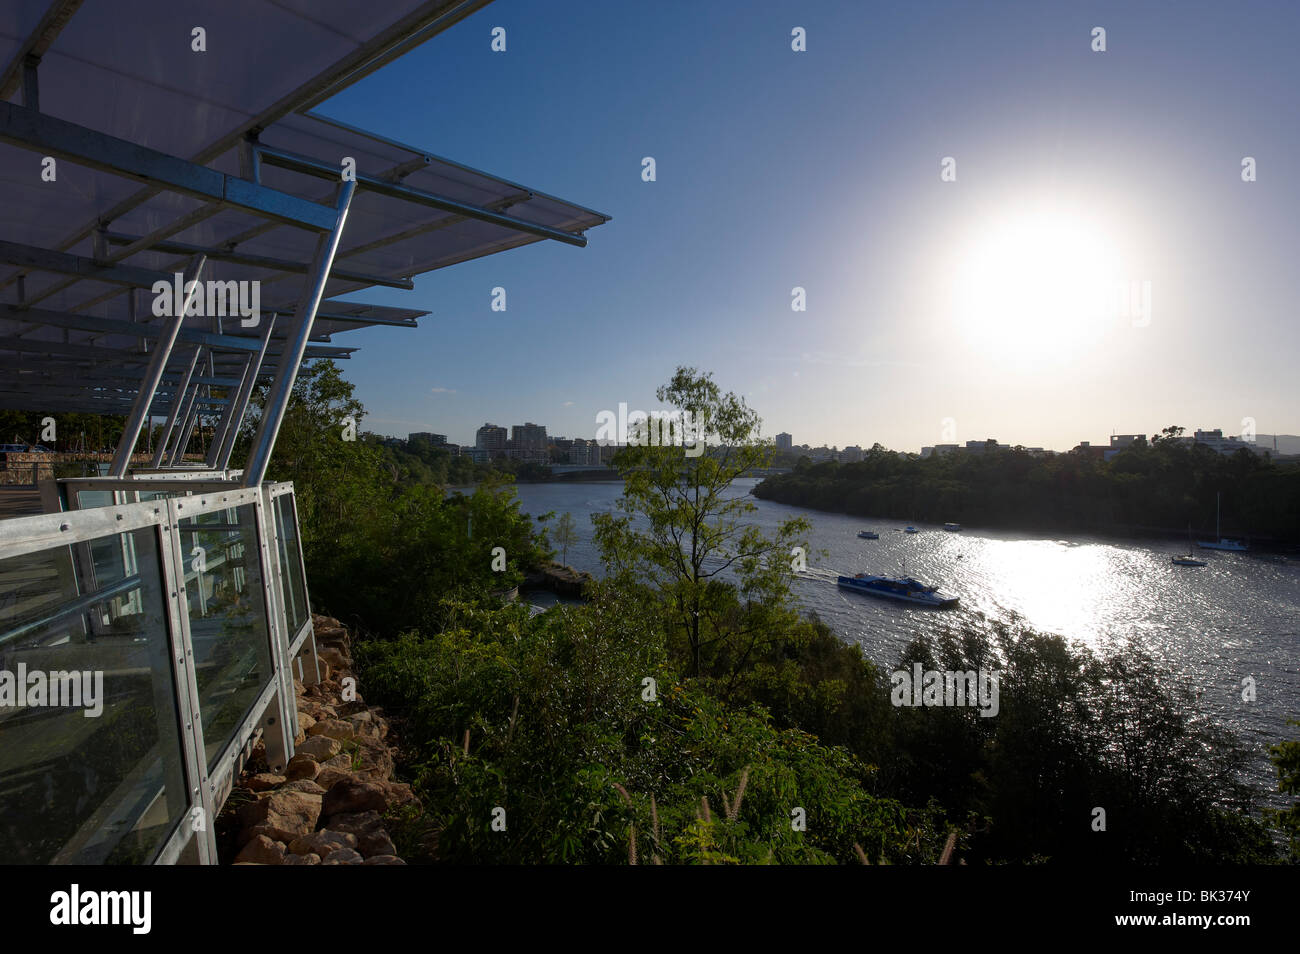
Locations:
{"points": [[91, 765], [227, 613]]}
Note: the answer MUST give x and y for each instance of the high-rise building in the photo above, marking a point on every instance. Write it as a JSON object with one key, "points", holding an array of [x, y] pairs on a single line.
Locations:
{"points": [[784, 441], [491, 438], [529, 437], [585, 452], [435, 439]]}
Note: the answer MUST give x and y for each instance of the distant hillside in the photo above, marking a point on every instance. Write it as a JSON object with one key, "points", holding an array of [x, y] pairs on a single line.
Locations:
{"points": [[1166, 485], [1286, 443]]}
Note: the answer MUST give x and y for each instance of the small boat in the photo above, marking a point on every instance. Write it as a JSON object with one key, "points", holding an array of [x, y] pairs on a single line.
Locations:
{"points": [[952, 527], [1220, 543], [1188, 560], [1223, 544], [903, 588], [868, 535], [911, 530]]}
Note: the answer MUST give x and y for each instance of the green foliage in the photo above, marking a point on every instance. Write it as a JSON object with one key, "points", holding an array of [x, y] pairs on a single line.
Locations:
{"points": [[90, 433], [1163, 484], [1075, 729], [565, 536], [381, 552], [680, 529], [561, 736], [1286, 758]]}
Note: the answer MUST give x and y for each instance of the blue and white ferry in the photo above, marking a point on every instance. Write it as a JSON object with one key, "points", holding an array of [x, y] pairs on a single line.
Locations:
{"points": [[902, 588]]}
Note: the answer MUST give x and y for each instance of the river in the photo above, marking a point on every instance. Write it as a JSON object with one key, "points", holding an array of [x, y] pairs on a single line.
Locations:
{"points": [[1238, 616]]}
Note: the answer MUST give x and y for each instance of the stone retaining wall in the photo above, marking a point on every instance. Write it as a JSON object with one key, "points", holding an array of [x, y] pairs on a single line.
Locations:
{"points": [[329, 806]]}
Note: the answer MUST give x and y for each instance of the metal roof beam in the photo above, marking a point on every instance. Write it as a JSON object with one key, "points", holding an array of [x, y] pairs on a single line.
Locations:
{"points": [[305, 164], [120, 326], [259, 261], [363, 320], [29, 129], [65, 263], [46, 32]]}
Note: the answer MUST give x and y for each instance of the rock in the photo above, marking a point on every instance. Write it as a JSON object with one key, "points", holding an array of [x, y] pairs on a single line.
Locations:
{"points": [[300, 767], [341, 761], [308, 859], [331, 776], [384, 860], [304, 785], [333, 729], [295, 812], [323, 843], [343, 856], [359, 823], [306, 721], [375, 843], [365, 723], [350, 796], [320, 747], [376, 759], [261, 850], [312, 706], [335, 657], [263, 781]]}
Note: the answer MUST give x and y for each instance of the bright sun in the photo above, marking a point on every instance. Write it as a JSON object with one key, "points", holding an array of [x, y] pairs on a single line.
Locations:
{"points": [[1035, 286]]}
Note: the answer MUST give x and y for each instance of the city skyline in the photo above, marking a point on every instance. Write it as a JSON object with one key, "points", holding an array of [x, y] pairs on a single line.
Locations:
{"points": [[1263, 441]]}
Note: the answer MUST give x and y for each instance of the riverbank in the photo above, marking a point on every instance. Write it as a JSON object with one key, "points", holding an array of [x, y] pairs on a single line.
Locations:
{"points": [[1273, 546], [1078, 496]]}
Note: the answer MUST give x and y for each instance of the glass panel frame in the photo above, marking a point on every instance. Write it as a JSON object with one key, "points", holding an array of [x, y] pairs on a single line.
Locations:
{"points": [[111, 614]]}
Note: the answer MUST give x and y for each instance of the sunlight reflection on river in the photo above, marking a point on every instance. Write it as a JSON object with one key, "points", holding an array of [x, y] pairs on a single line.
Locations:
{"points": [[1238, 616]]}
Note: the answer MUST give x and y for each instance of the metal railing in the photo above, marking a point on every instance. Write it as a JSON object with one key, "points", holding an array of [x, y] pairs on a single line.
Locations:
{"points": [[187, 601]]}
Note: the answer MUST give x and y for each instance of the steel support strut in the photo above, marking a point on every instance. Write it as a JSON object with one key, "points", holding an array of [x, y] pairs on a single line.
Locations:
{"points": [[243, 397], [224, 422], [191, 419], [295, 344], [178, 398], [157, 365]]}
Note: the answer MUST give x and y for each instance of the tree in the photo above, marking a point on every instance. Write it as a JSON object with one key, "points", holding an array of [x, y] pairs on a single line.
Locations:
{"points": [[1286, 759], [691, 534], [565, 536]]}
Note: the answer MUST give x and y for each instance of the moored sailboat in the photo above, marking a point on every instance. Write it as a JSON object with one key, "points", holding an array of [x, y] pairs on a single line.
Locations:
{"points": [[1219, 542]]}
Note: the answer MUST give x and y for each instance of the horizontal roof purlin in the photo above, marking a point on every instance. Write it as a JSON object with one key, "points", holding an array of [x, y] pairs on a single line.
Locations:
{"points": [[112, 77]]}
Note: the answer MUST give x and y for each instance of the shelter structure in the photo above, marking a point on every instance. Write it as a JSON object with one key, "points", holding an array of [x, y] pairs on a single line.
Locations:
{"points": [[177, 225]]}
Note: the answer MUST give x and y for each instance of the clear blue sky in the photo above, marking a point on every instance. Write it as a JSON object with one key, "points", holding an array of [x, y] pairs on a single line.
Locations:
{"points": [[821, 169]]}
